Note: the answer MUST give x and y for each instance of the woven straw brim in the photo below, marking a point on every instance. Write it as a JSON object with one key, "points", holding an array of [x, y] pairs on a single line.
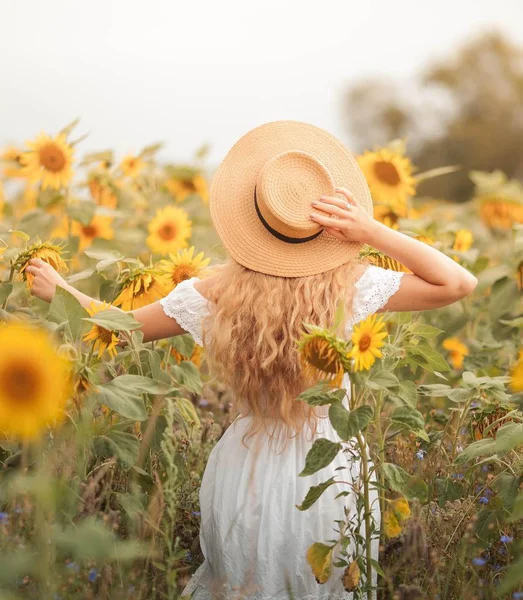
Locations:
{"points": [[233, 209]]}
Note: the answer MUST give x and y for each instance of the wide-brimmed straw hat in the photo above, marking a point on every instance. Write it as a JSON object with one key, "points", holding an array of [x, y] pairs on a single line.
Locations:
{"points": [[261, 194]]}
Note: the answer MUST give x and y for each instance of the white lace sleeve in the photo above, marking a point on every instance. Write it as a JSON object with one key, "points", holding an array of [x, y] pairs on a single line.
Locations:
{"points": [[188, 307], [373, 289]]}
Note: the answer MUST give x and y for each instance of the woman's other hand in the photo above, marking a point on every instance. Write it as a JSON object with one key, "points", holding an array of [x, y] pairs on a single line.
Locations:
{"points": [[350, 225], [46, 278]]}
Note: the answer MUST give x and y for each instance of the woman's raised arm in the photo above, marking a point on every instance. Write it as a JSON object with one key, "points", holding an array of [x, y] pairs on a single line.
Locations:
{"points": [[155, 324]]}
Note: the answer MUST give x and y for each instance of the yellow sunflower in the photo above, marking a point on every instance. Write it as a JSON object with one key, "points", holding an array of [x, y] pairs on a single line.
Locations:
{"points": [[142, 286], [132, 166], [516, 374], [462, 241], [382, 260], [323, 356], [426, 239], [169, 230], [35, 381], [395, 516], [99, 227], [196, 356], [367, 338], [102, 192], [46, 251], [183, 266], [457, 350], [386, 215], [104, 339], [389, 176], [11, 157], [182, 187], [49, 161]]}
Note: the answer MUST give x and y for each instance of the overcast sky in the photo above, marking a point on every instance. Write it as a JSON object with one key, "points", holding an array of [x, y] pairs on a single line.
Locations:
{"points": [[195, 72]]}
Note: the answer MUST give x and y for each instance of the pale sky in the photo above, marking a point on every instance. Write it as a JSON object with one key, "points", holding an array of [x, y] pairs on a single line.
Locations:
{"points": [[206, 71]]}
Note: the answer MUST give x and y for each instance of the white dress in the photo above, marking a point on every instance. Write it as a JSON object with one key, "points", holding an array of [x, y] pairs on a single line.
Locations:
{"points": [[253, 537]]}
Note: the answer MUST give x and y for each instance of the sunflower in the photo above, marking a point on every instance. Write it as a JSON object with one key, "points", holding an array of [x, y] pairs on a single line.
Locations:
{"points": [[426, 239], [462, 241], [182, 187], [132, 166], [383, 260], [169, 230], [386, 215], [102, 191], [516, 374], [389, 176], [104, 339], [98, 227], [491, 416], [12, 159], [196, 355], [519, 276], [395, 516], [35, 381], [183, 266], [49, 161], [498, 212], [367, 338], [323, 356], [457, 350], [140, 287], [46, 251]]}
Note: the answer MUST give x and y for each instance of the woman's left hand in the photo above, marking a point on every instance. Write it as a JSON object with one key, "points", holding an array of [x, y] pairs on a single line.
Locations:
{"points": [[46, 278]]}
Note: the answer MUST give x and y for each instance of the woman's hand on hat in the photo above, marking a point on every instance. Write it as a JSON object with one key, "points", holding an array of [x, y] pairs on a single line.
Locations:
{"points": [[346, 220]]}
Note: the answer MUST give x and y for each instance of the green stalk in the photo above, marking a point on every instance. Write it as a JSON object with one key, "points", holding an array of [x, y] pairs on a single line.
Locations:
{"points": [[366, 502]]}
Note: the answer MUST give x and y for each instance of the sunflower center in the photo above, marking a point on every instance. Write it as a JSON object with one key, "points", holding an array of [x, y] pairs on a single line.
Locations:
{"points": [[167, 231], [183, 272], [52, 158], [89, 231], [104, 335], [386, 172], [19, 382], [364, 342], [188, 185]]}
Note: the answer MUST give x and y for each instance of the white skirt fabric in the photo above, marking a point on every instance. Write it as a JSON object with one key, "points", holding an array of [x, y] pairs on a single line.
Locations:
{"points": [[253, 537]]}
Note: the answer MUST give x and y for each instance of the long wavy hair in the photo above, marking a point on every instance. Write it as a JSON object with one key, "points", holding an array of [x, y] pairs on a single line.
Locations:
{"points": [[251, 335]]}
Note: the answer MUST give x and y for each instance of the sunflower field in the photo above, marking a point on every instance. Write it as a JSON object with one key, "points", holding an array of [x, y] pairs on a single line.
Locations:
{"points": [[103, 446]]}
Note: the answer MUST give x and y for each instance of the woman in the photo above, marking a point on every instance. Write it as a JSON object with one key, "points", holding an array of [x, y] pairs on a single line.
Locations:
{"points": [[293, 210]]}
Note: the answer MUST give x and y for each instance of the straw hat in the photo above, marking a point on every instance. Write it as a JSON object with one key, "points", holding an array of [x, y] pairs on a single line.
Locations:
{"points": [[261, 194]]}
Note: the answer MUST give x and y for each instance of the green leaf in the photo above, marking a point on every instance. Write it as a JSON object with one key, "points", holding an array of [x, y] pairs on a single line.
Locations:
{"points": [[90, 540], [483, 447], [321, 394], [5, 290], [503, 297], [383, 380], [123, 401], [186, 413], [512, 579], [114, 320], [425, 331], [67, 311], [508, 437], [119, 444], [314, 493], [447, 489], [408, 392], [105, 258], [400, 481], [348, 424], [188, 376], [184, 344], [433, 358], [319, 557], [322, 453], [412, 419]]}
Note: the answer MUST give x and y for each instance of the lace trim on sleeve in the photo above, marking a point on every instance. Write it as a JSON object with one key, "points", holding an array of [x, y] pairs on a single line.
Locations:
{"points": [[187, 306], [373, 290]]}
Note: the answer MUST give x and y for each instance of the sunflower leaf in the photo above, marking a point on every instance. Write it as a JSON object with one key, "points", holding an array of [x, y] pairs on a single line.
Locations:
{"points": [[412, 419], [400, 481], [322, 453], [119, 444], [314, 493], [348, 424], [66, 309], [114, 320], [321, 394], [319, 557]]}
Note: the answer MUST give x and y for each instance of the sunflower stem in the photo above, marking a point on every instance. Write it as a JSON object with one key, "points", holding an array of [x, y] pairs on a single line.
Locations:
{"points": [[366, 502]]}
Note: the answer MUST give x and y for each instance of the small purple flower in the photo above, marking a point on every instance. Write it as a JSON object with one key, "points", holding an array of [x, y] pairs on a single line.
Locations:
{"points": [[420, 454], [202, 402], [72, 565], [463, 431], [483, 500], [91, 576], [4, 517], [474, 404], [188, 556], [196, 513], [517, 596], [485, 468], [479, 562], [505, 539], [457, 475]]}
